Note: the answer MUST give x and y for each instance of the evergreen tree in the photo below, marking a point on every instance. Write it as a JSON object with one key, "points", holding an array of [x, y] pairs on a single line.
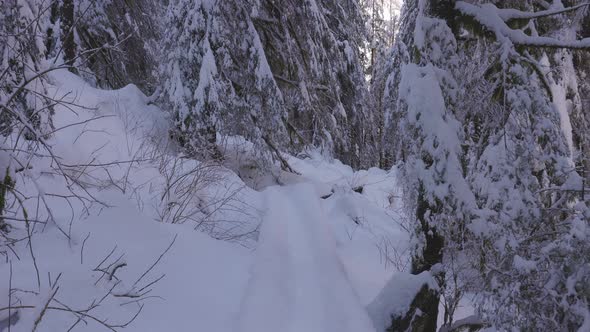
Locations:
{"points": [[67, 32], [22, 89], [115, 43], [487, 159], [313, 52], [291, 72]]}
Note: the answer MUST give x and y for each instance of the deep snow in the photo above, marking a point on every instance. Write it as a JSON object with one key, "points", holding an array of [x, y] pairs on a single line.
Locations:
{"points": [[309, 254], [297, 281]]}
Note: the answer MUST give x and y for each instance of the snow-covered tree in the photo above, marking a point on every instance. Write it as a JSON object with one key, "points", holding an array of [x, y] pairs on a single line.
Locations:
{"points": [[289, 77], [114, 43], [22, 88], [382, 20], [525, 180], [313, 49], [428, 141], [217, 77], [483, 141]]}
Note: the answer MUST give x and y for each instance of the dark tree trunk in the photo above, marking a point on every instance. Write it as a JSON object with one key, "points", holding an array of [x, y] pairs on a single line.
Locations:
{"points": [[423, 312], [445, 9], [427, 300], [432, 251], [6, 185], [417, 319], [53, 16], [67, 33]]}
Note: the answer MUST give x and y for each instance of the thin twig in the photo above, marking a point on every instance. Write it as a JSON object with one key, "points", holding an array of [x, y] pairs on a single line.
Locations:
{"points": [[156, 262], [10, 297], [82, 249], [45, 307]]}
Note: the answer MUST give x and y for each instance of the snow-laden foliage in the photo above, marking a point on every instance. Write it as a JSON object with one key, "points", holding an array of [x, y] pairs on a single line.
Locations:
{"points": [[285, 75], [22, 90], [382, 19], [217, 76], [290, 75], [313, 50], [113, 43], [25, 107], [492, 178]]}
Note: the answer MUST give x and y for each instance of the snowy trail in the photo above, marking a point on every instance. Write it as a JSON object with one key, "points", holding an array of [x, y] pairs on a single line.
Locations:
{"points": [[297, 282], [315, 257]]}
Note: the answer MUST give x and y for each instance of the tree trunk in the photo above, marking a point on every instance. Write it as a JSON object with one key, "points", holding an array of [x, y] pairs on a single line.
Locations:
{"points": [[417, 319], [67, 33], [432, 254], [423, 312]]}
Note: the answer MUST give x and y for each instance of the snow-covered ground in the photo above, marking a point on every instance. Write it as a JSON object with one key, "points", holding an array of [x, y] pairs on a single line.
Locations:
{"points": [[307, 255], [297, 282]]}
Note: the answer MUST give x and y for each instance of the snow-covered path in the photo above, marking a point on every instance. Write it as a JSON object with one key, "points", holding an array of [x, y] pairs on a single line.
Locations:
{"points": [[298, 282], [317, 263]]}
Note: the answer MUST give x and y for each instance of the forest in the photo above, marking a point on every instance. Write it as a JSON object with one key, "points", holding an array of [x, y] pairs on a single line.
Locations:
{"points": [[295, 165]]}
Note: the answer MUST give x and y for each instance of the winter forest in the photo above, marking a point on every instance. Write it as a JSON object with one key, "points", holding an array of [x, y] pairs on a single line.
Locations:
{"points": [[295, 165]]}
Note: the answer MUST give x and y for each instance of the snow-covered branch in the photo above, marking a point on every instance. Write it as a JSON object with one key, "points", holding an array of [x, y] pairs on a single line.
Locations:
{"points": [[495, 20], [508, 14]]}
